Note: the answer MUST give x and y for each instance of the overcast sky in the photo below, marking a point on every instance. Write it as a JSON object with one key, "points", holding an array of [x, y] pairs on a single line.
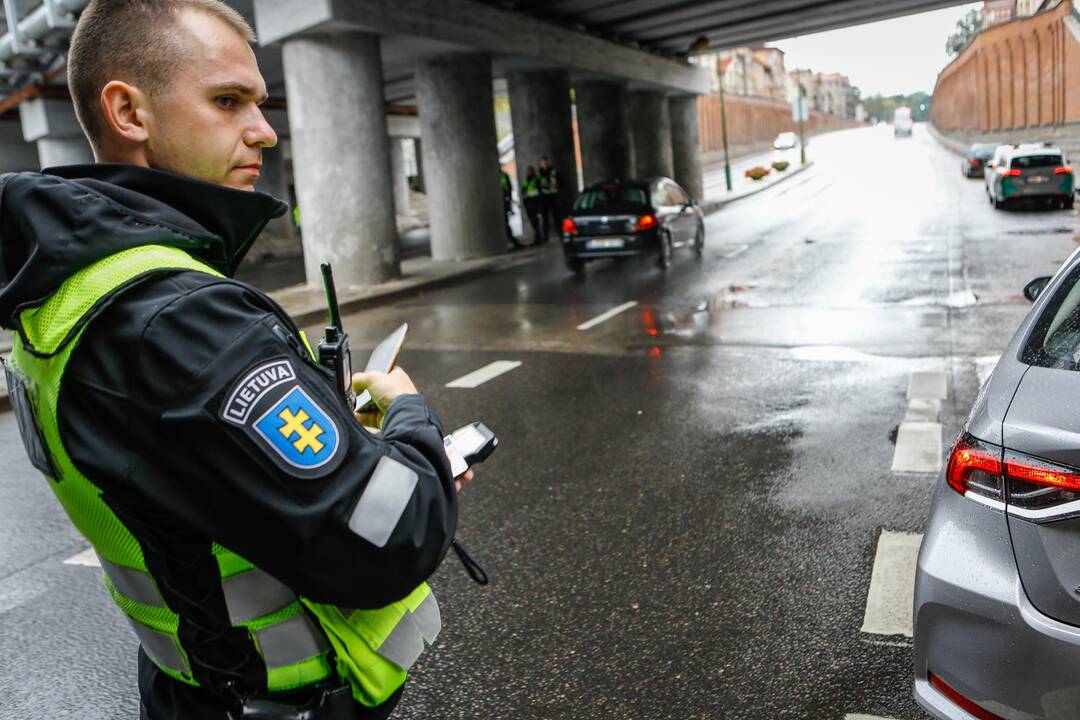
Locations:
{"points": [[890, 57]]}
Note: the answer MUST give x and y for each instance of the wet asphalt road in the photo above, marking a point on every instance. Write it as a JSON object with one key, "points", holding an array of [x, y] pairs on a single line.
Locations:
{"points": [[681, 520]]}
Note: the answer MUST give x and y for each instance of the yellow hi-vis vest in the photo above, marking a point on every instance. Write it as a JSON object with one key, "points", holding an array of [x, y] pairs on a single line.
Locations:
{"points": [[373, 648]]}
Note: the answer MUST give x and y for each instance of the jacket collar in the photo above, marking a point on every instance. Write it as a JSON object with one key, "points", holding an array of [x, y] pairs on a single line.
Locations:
{"points": [[227, 221]]}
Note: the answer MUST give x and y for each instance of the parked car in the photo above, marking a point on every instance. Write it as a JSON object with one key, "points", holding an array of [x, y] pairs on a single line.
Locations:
{"points": [[1031, 173], [976, 158], [786, 141], [1000, 153], [997, 586], [632, 217]]}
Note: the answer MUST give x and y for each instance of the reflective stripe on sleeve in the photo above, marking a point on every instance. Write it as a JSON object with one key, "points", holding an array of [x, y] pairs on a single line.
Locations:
{"points": [[253, 594], [290, 641], [383, 501], [404, 644], [133, 584], [428, 619], [161, 647]]}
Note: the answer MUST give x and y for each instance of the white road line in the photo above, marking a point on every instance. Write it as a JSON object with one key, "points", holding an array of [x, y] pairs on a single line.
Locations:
{"points": [[481, 376], [604, 317], [736, 252], [87, 558], [923, 411], [918, 448], [927, 386], [851, 716], [892, 585], [984, 366]]}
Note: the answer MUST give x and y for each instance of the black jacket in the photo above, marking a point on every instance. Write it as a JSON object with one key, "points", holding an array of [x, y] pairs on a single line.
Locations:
{"points": [[143, 415]]}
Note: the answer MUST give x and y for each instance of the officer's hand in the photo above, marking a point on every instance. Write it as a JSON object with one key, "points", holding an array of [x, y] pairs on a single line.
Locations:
{"points": [[467, 477], [384, 387]]}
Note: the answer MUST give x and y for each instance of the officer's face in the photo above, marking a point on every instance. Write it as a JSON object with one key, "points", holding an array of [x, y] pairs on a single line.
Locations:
{"points": [[207, 125]]}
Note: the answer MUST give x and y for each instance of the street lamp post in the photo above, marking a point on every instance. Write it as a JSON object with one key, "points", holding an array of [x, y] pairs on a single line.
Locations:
{"points": [[802, 124], [723, 130]]}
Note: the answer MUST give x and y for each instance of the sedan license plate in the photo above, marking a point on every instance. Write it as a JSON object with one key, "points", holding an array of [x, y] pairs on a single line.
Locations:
{"points": [[605, 243], [1036, 179]]}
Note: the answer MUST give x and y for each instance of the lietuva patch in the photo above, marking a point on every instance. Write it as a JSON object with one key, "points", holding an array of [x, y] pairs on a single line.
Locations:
{"points": [[272, 407]]}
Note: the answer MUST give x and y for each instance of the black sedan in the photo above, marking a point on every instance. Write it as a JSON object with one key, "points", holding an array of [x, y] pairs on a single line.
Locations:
{"points": [[976, 158], [632, 217]]}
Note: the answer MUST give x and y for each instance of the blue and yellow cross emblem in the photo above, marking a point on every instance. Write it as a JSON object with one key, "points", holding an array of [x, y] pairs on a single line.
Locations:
{"points": [[299, 431]]}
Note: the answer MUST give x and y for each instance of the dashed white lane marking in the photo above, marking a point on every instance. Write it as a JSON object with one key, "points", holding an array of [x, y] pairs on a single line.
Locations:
{"points": [[484, 374], [892, 585], [918, 448], [732, 254], [87, 558], [923, 411], [604, 317], [984, 366], [918, 439], [927, 386], [850, 716]]}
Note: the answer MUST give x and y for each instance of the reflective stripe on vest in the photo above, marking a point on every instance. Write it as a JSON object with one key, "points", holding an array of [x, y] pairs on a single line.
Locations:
{"points": [[293, 647]]}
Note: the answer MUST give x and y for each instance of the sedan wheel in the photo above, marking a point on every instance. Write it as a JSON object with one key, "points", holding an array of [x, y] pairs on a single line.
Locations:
{"points": [[664, 260], [699, 239]]}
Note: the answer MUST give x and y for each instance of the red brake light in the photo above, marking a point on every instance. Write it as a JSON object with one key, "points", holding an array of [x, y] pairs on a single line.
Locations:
{"points": [[645, 222], [569, 227], [1040, 472], [1015, 172], [959, 700], [1063, 170], [970, 456]]}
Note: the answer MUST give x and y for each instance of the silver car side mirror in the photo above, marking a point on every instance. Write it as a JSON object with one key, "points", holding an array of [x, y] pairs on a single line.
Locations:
{"points": [[1034, 288]]}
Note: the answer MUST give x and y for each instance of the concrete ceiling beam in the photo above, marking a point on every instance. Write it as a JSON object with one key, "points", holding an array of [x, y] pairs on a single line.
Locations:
{"points": [[479, 27]]}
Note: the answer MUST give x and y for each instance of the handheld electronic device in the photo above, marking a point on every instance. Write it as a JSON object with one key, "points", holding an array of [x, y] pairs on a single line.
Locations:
{"points": [[468, 446], [334, 352], [382, 359]]}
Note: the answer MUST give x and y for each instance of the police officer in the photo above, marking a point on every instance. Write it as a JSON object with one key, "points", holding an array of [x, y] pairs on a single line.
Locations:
{"points": [[549, 195], [269, 552], [534, 205], [508, 207]]}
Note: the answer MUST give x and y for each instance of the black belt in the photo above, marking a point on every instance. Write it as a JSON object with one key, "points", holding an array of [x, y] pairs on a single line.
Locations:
{"points": [[331, 704]]}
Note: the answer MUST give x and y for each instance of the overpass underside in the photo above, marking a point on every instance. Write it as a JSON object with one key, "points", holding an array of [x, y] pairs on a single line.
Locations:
{"points": [[619, 68]]}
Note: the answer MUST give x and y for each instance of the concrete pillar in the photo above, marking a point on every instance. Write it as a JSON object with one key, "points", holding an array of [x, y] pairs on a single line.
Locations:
{"points": [[341, 157], [51, 123], [650, 127], [461, 161], [402, 205], [543, 123], [607, 152], [686, 144], [279, 239], [418, 152]]}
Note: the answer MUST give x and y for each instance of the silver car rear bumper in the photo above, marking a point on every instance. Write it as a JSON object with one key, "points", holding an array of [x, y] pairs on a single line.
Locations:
{"points": [[975, 628]]}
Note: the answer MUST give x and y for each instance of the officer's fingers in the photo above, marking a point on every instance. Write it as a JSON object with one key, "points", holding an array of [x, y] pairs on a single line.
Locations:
{"points": [[457, 484], [468, 476], [364, 380]]}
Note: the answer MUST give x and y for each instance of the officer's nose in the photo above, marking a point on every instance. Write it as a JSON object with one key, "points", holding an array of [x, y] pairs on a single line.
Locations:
{"points": [[260, 133]]}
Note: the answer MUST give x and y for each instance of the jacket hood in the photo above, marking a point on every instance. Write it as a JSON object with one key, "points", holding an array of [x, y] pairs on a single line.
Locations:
{"points": [[59, 221]]}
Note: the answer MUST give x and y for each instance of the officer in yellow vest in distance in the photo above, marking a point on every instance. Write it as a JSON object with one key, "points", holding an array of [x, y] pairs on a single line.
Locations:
{"points": [[269, 553]]}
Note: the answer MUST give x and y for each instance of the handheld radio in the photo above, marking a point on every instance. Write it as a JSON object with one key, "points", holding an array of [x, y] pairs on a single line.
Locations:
{"points": [[334, 352]]}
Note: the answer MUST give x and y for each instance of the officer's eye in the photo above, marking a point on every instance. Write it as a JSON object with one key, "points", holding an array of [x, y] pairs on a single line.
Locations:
{"points": [[226, 102]]}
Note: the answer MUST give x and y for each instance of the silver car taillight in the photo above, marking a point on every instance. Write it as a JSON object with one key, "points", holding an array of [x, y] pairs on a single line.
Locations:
{"points": [[1040, 490], [974, 471]]}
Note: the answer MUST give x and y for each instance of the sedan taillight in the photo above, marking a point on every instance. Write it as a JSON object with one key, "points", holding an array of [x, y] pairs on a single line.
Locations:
{"points": [[569, 227], [975, 469], [645, 222], [1063, 170]]}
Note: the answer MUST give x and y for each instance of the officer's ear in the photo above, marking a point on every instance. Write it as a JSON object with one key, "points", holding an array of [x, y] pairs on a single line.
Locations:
{"points": [[125, 108]]}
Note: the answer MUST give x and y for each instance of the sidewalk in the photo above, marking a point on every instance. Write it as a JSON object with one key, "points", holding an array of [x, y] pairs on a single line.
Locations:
{"points": [[716, 192]]}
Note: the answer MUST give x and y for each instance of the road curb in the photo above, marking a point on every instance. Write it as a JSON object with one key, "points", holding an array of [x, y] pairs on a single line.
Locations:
{"points": [[306, 312], [711, 206]]}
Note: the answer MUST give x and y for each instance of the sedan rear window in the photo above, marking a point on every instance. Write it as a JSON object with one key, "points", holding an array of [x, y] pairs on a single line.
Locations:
{"points": [[614, 195], [1036, 161], [1055, 339]]}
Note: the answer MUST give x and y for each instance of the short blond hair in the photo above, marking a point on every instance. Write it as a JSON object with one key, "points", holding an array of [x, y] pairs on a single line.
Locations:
{"points": [[137, 41]]}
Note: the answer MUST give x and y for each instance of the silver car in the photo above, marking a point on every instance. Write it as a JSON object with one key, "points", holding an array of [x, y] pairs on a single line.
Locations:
{"points": [[997, 590], [1030, 174]]}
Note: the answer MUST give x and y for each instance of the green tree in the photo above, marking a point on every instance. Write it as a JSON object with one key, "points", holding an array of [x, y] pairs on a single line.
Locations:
{"points": [[967, 28]]}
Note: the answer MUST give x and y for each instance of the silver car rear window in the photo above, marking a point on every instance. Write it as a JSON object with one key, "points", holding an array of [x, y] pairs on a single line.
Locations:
{"points": [[1055, 339]]}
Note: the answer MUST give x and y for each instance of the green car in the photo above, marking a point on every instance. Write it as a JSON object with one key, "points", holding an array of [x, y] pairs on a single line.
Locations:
{"points": [[1031, 174]]}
